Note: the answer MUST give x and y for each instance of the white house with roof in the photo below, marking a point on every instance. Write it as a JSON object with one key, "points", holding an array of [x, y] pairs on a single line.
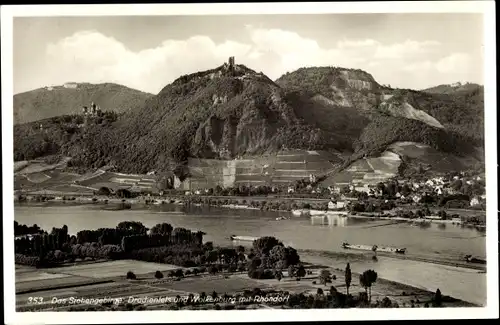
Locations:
{"points": [[70, 85], [475, 201], [332, 205], [290, 190]]}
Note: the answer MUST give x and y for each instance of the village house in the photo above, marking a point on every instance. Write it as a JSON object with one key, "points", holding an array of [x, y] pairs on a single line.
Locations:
{"points": [[290, 190], [341, 204], [475, 201], [362, 188], [416, 198], [312, 178], [334, 189], [332, 205], [348, 198]]}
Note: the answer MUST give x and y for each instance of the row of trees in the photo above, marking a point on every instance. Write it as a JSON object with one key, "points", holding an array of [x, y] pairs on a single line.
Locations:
{"points": [[40, 244], [20, 229], [372, 206], [117, 242], [180, 236], [113, 236]]}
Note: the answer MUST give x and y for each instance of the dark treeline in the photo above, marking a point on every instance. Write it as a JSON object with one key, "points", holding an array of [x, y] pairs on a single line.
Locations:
{"points": [[44, 249], [42, 243], [161, 244], [21, 230]]}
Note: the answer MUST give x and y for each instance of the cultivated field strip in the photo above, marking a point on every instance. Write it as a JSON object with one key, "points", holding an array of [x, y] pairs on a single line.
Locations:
{"points": [[114, 268], [48, 284], [30, 276]]}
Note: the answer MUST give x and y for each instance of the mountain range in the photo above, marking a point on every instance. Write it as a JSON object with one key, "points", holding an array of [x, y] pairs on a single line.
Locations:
{"points": [[232, 111]]}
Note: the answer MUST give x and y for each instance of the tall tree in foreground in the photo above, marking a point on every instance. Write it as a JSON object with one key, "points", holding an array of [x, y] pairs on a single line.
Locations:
{"points": [[301, 271], [324, 277], [348, 277], [366, 280], [438, 299]]}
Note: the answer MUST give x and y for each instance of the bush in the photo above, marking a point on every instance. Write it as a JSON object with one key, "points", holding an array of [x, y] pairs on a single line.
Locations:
{"points": [[158, 275], [131, 275], [386, 303], [27, 260]]}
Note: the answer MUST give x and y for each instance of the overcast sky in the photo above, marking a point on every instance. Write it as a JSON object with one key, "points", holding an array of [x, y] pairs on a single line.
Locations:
{"points": [[404, 50]]}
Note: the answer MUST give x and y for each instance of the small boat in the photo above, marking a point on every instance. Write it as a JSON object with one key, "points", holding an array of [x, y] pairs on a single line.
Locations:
{"points": [[300, 213], [471, 259], [243, 238], [374, 248], [282, 218], [317, 212]]}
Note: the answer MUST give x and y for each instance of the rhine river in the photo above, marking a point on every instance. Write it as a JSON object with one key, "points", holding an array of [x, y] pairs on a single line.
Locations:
{"points": [[320, 234]]}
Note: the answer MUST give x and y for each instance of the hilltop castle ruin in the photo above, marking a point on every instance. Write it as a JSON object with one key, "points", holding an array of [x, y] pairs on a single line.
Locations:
{"points": [[93, 110]]}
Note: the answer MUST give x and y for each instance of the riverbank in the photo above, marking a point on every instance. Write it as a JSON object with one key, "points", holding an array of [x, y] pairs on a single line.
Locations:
{"points": [[258, 203], [427, 245], [83, 281], [396, 277]]}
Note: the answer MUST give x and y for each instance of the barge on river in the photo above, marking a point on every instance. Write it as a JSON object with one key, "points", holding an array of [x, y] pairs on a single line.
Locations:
{"points": [[243, 238], [374, 248], [476, 260]]}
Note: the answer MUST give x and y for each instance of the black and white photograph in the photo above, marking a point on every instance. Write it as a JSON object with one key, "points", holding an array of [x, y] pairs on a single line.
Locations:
{"points": [[237, 162]]}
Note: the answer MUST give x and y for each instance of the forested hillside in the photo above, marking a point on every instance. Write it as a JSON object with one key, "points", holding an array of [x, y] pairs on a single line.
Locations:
{"points": [[233, 111]]}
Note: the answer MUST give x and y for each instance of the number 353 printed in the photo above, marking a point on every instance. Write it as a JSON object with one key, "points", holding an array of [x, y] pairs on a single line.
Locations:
{"points": [[35, 300]]}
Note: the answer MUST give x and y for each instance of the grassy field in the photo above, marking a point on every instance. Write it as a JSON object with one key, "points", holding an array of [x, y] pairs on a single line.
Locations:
{"points": [[82, 281], [113, 269]]}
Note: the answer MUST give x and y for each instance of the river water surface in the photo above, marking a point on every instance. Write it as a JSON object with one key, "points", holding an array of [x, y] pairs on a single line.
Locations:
{"points": [[311, 233]]}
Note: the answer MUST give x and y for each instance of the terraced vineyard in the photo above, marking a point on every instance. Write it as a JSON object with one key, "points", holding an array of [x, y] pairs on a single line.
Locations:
{"points": [[284, 167], [367, 171]]}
